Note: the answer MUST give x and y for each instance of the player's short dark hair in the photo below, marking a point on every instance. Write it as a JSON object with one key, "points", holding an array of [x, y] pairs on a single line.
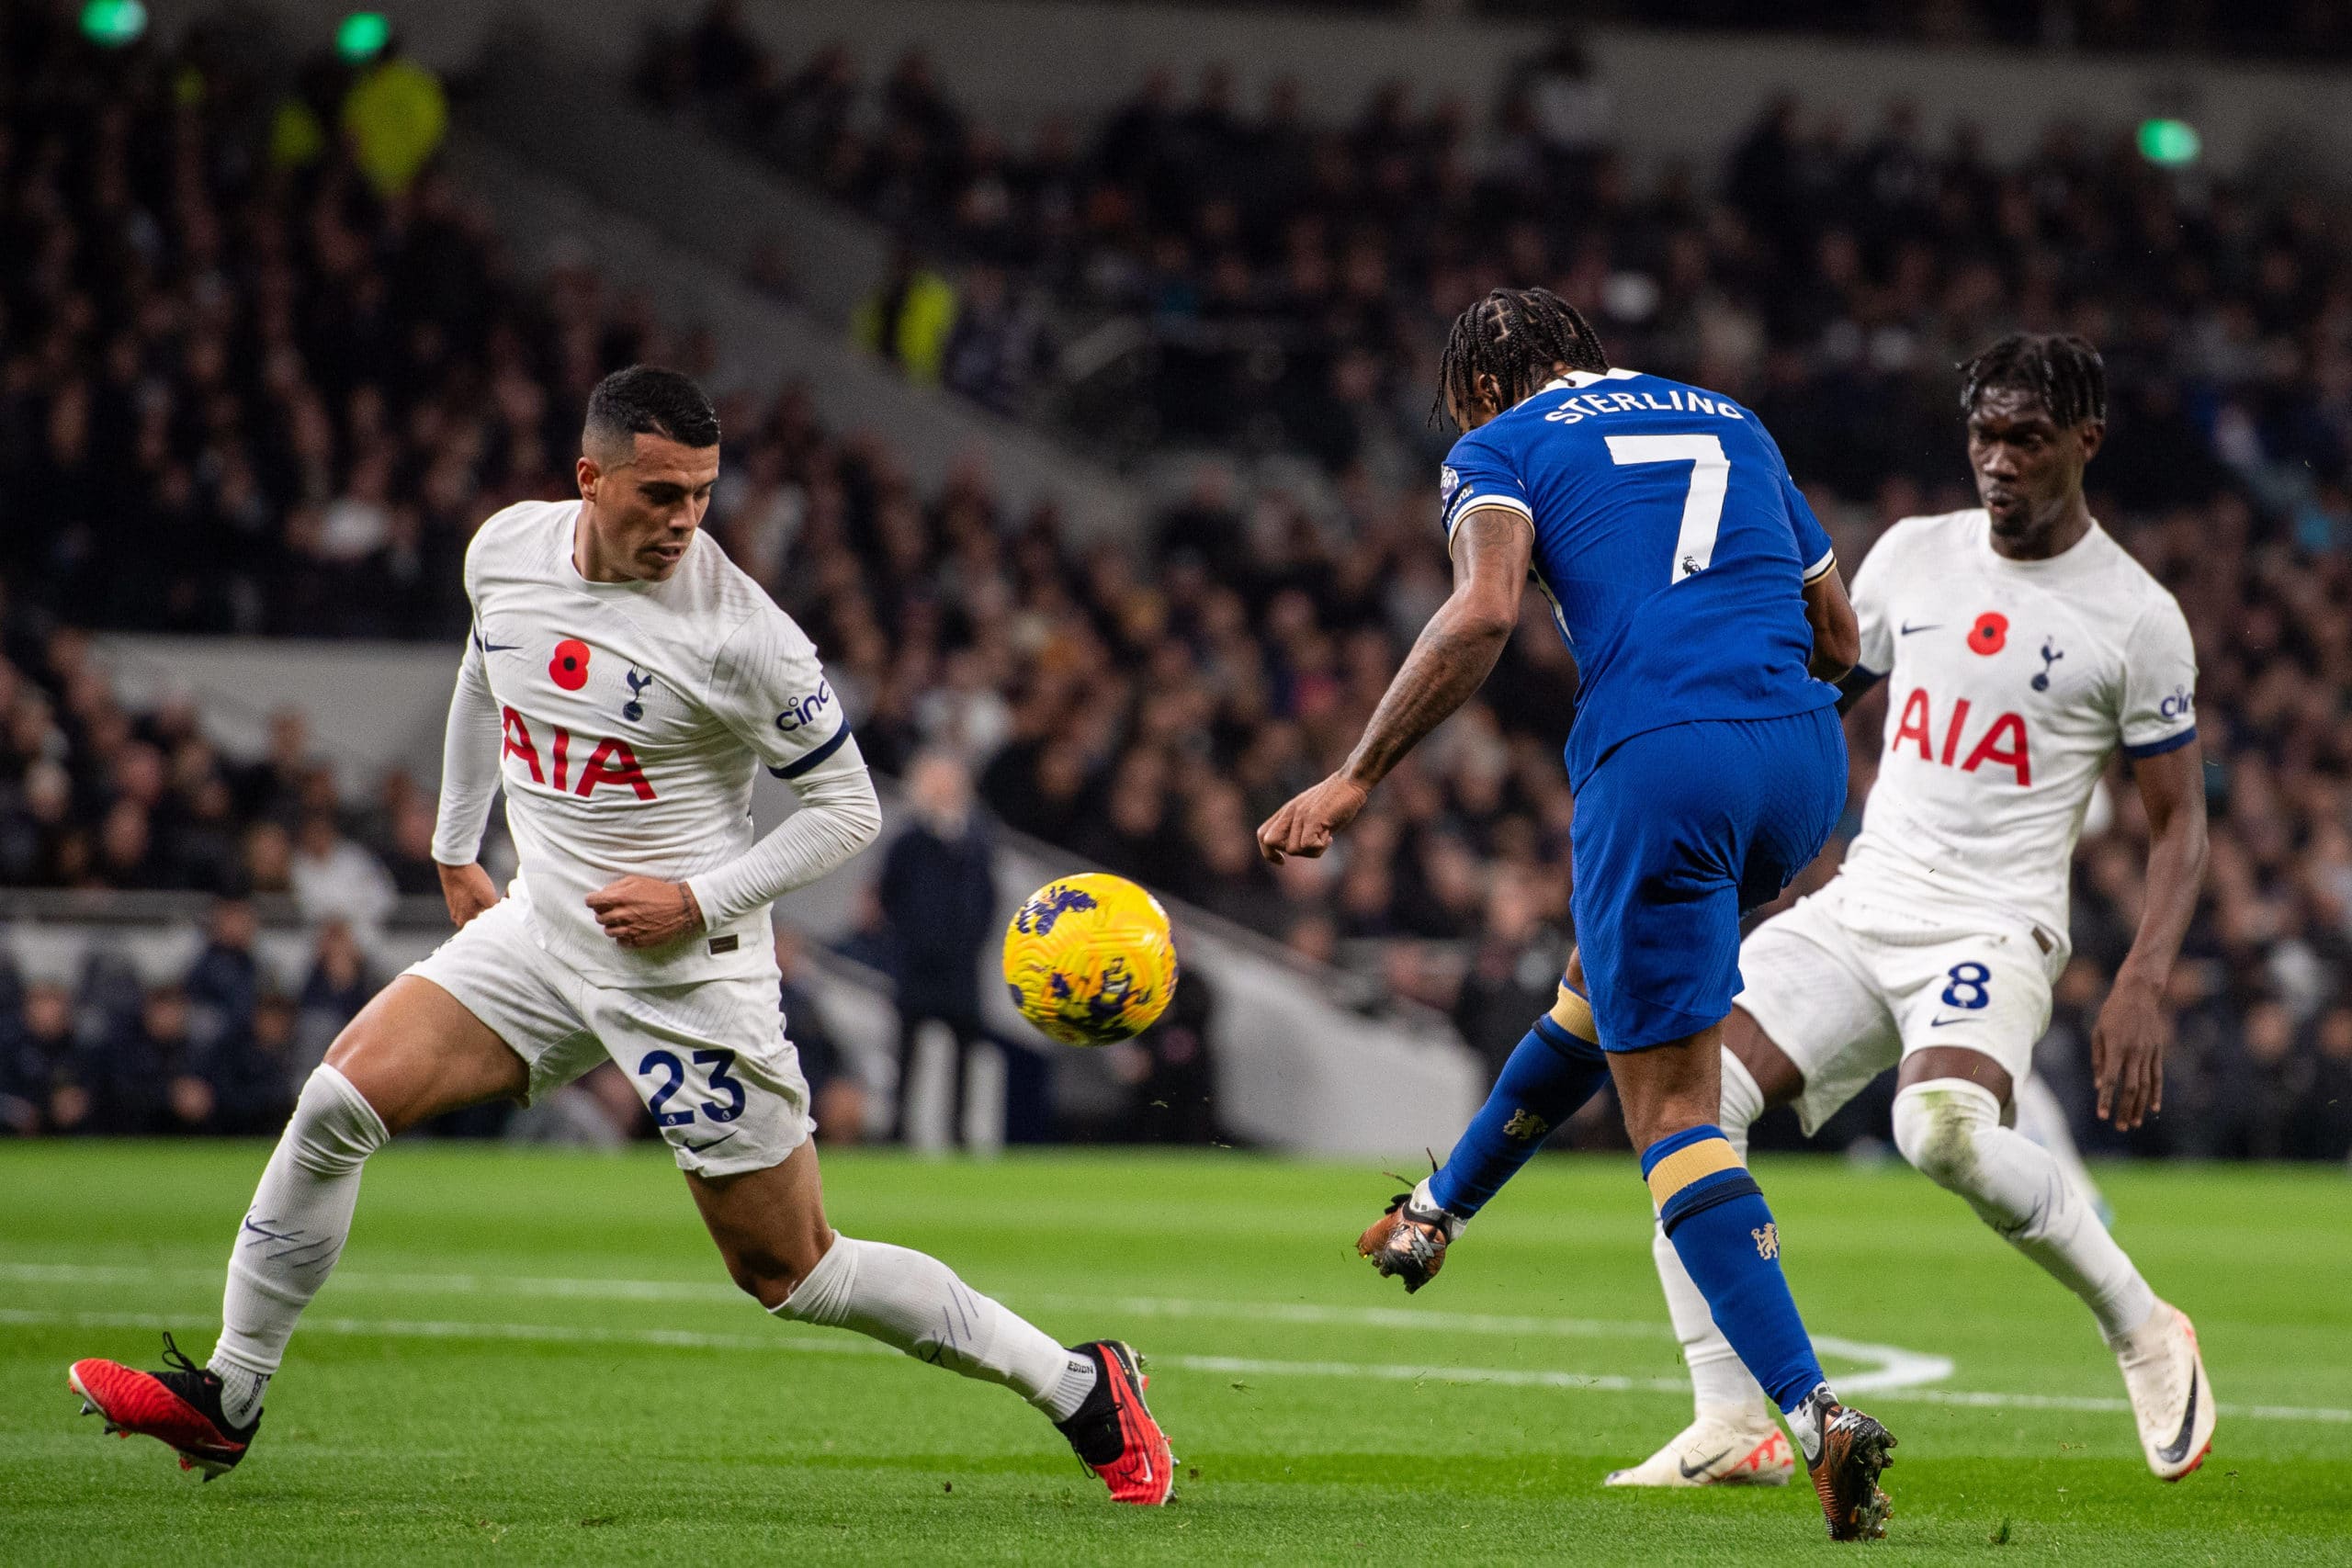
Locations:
{"points": [[2063, 372], [1516, 335], [645, 399]]}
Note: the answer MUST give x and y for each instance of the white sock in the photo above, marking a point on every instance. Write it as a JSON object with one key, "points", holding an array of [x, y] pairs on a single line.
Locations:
{"points": [[1718, 1377], [2042, 1122], [1950, 1128], [292, 1235], [915, 1302], [241, 1392]]}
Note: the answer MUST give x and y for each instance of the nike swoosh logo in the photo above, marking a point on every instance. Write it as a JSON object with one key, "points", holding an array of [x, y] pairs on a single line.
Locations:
{"points": [[699, 1148], [1908, 629], [2177, 1449], [499, 647], [1958, 1018], [1692, 1471]]}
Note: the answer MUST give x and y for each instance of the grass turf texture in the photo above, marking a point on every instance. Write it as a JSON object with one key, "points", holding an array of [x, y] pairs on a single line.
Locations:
{"points": [[398, 1434]]}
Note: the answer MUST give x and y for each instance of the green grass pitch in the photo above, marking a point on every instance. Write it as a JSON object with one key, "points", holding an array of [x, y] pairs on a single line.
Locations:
{"points": [[534, 1356]]}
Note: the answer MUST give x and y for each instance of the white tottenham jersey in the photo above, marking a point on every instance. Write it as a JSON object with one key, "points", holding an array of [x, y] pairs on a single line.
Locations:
{"points": [[631, 719], [2009, 685]]}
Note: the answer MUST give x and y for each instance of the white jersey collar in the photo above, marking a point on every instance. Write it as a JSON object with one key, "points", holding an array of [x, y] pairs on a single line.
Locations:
{"points": [[2081, 551]]}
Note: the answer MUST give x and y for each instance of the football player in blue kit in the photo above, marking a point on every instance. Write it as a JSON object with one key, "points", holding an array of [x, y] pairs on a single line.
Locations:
{"points": [[1700, 598]]}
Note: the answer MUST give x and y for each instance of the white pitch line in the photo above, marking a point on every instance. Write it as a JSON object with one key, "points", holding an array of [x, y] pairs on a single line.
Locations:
{"points": [[1503, 1377], [1884, 1366]]}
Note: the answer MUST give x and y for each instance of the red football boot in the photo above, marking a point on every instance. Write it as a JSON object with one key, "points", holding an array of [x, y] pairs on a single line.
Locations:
{"points": [[180, 1406], [1114, 1432]]}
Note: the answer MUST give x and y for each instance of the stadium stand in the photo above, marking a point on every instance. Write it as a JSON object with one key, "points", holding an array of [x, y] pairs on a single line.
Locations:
{"points": [[245, 389]]}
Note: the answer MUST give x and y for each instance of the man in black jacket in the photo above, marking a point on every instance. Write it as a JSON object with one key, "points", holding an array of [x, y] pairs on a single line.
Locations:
{"points": [[938, 892]]}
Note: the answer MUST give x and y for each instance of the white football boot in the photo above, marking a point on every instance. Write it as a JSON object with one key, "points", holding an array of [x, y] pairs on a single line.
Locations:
{"points": [[1729, 1445], [2171, 1398]]}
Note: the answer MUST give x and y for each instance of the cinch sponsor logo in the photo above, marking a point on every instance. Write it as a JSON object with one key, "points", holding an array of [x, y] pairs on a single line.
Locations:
{"points": [[2181, 705], [2003, 742], [612, 763], [806, 710]]}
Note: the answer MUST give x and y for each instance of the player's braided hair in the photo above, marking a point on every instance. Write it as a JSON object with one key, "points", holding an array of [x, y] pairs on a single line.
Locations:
{"points": [[1516, 335], [2063, 372]]}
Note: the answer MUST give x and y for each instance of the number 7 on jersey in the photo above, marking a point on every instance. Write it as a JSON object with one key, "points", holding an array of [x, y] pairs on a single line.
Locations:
{"points": [[1702, 509]]}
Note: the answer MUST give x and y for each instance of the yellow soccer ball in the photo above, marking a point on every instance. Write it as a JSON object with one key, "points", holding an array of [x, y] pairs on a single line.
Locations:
{"points": [[1089, 959]]}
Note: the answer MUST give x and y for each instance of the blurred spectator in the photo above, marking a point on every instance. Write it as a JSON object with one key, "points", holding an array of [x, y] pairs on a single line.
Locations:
{"points": [[395, 114], [255, 1069], [224, 983], [938, 893], [159, 1080], [49, 1083], [1170, 1072], [994, 347], [339, 985], [335, 879], [596, 1110], [907, 320], [836, 1092]]}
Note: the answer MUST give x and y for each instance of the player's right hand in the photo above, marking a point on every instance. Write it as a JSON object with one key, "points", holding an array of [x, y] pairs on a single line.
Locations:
{"points": [[2128, 1053], [468, 890], [1308, 823]]}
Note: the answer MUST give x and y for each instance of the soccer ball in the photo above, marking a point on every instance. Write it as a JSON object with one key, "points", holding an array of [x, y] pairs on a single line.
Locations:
{"points": [[1089, 959]]}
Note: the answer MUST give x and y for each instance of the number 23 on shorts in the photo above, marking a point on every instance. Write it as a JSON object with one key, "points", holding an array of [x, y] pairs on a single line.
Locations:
{"points": [[673, 1072]]}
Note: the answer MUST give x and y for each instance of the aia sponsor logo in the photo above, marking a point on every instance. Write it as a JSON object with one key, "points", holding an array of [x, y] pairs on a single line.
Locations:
{"points": [[611, 762], [2002, 743]]}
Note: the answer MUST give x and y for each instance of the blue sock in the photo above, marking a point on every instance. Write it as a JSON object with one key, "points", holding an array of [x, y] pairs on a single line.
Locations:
{"points": [[1713, 1212], [1549, 1074]]}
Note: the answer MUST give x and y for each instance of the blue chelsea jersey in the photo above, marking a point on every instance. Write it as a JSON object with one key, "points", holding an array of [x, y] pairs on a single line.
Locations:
{"points": [[1671, 542]]}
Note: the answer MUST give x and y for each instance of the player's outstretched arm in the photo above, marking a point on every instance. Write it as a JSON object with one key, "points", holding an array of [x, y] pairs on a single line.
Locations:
{"points": [[2127, 1042], [1452, 659], [469, 783]]}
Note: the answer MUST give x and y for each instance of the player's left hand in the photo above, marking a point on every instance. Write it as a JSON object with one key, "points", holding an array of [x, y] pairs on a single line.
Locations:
{"points": [[2128, 1053], [645, 911], [1308, 821]]}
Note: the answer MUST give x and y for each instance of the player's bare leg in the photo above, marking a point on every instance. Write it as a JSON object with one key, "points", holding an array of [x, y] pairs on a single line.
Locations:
{"points": [[413, 1053], [1715, 1216], [770, 1230], [1733, 1438], [1947, 1122]]}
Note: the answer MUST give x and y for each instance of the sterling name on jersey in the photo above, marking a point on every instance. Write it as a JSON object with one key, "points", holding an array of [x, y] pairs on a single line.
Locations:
{"points": [[2009, 685], [632, 719], [1671, 542]]}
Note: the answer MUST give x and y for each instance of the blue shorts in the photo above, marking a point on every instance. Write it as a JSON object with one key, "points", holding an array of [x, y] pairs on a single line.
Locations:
{"points": [[1679, 832]]}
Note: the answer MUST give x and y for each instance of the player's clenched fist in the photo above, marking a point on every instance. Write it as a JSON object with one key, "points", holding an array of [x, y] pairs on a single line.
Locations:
{"points": [[468, 890], [1307, 822], [645, 911]]}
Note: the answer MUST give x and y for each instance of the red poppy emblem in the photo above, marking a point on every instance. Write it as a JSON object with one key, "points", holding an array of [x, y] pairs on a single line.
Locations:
{"points": [[1989, 636], [569, 667]]}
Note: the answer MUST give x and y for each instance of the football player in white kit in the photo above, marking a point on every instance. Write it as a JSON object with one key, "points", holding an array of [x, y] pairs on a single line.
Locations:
{"points": [[2022, 648], [623, 684]]}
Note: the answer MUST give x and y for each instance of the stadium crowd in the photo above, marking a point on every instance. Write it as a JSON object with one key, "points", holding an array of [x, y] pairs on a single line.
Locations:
{"points": [[224, 352], [1298, 278]]}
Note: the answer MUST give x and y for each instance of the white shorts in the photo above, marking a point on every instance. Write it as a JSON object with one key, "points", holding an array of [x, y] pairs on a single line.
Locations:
{"points": [[1846, 990], [710, 1060]]}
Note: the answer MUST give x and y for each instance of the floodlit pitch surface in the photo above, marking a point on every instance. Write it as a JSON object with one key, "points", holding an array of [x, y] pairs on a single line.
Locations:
{"points": [[533, 1356]]}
